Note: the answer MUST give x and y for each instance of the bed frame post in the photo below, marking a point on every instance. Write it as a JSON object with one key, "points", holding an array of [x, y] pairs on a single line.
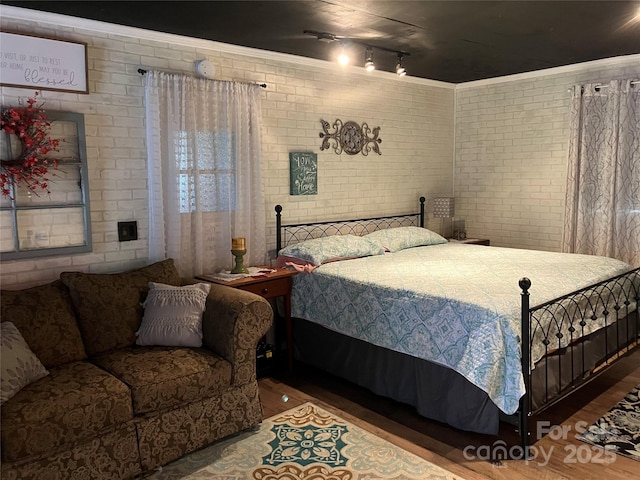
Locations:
{"points": [[525, 343], [422, 200], [278, 210]]}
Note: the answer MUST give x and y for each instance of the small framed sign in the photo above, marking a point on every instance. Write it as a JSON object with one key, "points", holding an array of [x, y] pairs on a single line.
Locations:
{"points": [[43, 63], [303, 168]]}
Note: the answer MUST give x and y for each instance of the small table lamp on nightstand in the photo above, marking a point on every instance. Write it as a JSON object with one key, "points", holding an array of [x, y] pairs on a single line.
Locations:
{"points": [[444, 207]]}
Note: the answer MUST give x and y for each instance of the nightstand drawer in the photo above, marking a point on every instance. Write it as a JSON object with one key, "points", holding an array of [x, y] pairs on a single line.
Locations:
{"points": [[269, 288]]}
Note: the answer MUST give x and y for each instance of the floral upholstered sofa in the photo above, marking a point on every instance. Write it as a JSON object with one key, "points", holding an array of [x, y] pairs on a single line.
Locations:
{"points": [[94, 403]]}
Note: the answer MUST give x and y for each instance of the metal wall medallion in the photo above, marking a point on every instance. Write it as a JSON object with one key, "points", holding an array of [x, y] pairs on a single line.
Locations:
{"points": [[350, 138]]}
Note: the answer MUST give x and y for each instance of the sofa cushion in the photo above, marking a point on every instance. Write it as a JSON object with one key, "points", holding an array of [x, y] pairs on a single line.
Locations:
{"points": [[170, 434], [44, 315], [173, 315], [75, 401], [109, 305], [166, 377], [18, 364]]}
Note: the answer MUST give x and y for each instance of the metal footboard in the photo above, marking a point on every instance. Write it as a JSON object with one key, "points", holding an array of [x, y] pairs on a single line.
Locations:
{"points": [[556, 330]]}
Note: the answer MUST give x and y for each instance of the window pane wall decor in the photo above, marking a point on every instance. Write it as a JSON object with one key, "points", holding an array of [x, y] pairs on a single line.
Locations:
{"points": [[37, 224]]}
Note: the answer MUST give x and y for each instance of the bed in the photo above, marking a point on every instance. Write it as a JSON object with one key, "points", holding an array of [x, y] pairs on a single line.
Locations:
{"points": [[469, 335]]}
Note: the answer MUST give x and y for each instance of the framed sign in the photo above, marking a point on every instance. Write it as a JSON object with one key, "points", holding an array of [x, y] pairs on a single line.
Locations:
{"points": [[303, 169], [43, 63]]}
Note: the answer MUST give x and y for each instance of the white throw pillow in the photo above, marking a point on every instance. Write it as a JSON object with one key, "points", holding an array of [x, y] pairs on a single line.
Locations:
{"points": [[173, 315], [19, 366]]}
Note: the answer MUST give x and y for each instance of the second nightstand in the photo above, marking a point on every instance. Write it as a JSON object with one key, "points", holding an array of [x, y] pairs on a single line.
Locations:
{"points": [[269, 285]]}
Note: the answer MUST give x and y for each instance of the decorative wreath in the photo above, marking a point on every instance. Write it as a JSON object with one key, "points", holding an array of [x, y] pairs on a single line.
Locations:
{"points": [[30, 126]]}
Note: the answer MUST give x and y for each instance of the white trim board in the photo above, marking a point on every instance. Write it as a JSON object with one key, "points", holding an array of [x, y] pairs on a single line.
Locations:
{"points": [[575, 67]]}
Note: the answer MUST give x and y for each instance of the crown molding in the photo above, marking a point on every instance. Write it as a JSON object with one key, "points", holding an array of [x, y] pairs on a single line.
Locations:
{"points": [[631, 60]]}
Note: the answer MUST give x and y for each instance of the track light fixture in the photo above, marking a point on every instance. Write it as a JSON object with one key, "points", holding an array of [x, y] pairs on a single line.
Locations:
{"points": [[368, 60], [343, 59], [400, 70]]}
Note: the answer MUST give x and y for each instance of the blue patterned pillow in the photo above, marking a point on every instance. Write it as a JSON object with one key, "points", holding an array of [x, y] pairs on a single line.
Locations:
{"points": [[396, 239], [337, 247]]}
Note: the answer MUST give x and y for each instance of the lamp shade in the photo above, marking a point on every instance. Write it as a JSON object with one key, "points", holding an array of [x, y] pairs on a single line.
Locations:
{"points": [[443, 207]]}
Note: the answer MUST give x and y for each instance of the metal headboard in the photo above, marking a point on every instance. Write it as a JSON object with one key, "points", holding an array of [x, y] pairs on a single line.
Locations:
{"points": [[299, 232]]}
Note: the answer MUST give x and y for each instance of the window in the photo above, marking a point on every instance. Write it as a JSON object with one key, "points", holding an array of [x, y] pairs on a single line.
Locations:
{"points": [[35, 224], [207, 179]]}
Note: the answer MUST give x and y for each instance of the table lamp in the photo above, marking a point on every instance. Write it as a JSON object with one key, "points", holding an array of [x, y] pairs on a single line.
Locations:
{"points": [[444, 207]]}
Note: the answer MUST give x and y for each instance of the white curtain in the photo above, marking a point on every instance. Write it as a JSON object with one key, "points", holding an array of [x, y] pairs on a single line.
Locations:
{"points": [[204, 156], [603, 181]]}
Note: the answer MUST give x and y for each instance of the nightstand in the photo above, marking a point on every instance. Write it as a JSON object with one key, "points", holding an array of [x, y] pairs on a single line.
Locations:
{"points": [[472, 241], [269, 285]]}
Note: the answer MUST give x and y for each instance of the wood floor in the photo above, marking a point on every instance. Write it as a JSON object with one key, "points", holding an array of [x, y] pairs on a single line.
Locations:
{"points": [[559, 456]]}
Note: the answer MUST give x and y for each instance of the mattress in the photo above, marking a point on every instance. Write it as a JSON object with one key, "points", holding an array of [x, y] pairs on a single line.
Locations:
{"points": [[455, 305]]}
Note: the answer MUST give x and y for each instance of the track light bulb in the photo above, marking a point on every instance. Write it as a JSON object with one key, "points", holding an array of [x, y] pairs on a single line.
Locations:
{"points": [[400, 70], [368, 61], [343, 58]]}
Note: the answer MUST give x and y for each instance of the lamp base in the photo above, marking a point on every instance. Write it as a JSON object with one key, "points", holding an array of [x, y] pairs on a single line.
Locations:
{"points": [[239, 261]]}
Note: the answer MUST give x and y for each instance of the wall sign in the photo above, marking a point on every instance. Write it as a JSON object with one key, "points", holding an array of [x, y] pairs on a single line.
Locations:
{"points": [[303, 169], [43, 63]]}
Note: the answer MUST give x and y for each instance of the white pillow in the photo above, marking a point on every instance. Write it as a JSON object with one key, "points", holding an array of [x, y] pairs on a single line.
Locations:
{"points": [[19, 365], [399, 238], [330, 249], [173, 315]]}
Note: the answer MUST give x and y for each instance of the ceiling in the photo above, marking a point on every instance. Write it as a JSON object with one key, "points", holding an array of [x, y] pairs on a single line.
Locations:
{"points": [[451, 41]]}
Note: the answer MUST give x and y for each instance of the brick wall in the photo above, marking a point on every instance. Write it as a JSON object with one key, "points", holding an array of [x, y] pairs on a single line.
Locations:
{"points": [[511, 152], [415, 116]]}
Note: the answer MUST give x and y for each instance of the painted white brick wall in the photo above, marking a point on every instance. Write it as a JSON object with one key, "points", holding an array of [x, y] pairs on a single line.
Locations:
{"points": [[416, 120], [511, 153]]}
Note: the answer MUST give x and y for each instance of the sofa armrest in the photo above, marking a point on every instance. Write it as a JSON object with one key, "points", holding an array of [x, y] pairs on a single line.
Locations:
{"points": [[233, 323]]}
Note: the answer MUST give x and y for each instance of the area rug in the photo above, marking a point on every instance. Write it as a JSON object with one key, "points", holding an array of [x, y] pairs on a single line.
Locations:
{"points": [[304, 443], [619, 429]]}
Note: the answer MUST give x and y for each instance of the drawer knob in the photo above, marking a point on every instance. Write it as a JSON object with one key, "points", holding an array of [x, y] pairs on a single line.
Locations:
{"points": [[265, 290]]}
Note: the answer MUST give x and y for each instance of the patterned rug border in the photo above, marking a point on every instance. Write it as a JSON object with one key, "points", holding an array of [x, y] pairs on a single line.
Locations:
{"points": [[618, 430], [305, 442]]}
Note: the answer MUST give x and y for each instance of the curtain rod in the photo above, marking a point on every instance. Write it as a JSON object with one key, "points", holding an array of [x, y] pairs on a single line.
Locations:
{"points": [[633, 82], [600, 87], [142, 71]]}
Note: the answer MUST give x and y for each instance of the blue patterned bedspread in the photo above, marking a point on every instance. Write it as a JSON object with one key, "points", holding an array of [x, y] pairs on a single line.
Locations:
{"points": [[453, 304]]}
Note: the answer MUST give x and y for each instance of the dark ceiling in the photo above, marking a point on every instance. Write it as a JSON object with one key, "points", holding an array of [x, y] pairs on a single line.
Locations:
{"points": [[450, 41]]}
